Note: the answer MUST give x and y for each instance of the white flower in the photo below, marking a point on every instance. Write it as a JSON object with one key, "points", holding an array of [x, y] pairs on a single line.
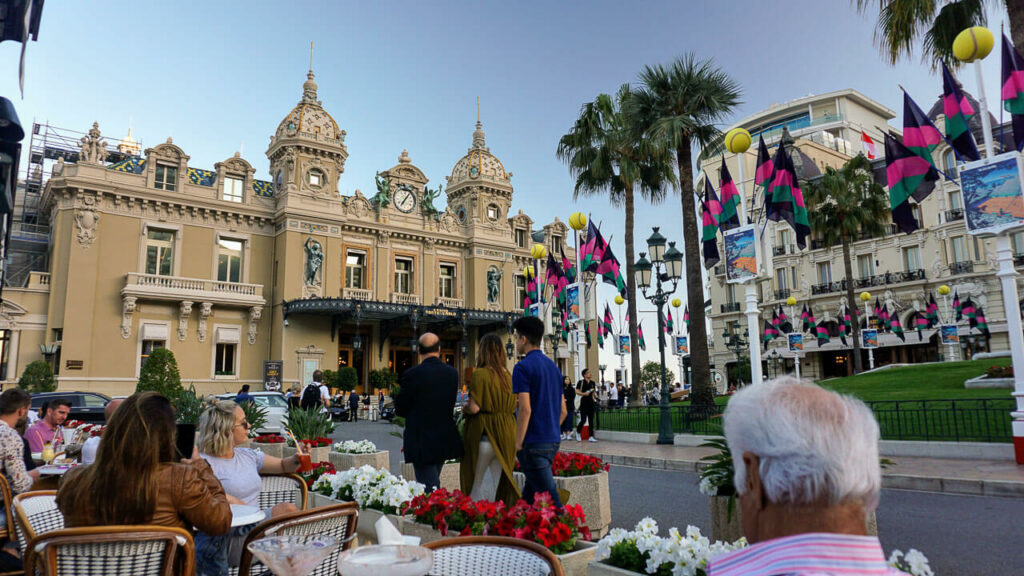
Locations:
{"points": [[647, 526], [914, 563], [355, 447], [707, 488], [686, 553]]}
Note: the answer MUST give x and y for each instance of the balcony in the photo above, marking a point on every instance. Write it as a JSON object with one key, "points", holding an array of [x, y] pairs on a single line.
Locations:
{"points": [[1018, 259], [961, 267], [778, 250], [954, 215], [178, 289], [877, 280], [357, 294], [782, 294], [402, 298], [817, 244], [730, 307], [449, 302]]}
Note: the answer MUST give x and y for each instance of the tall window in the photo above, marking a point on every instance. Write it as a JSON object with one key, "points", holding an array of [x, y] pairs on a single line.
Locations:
{"points": [[781, 279], [224, 361], [1018, 243], [403, 276], [866, 265], [233, 189], [783, 238], [355, 269], [954, 200], [166, 177], [730, 293], [520, 237], [520, 290], [556, 241], [229, 260], [911, 259], [918, 215], [949, 160], [147, 348], [824, 272], [960, 250], [159, 252], [446, 286]]}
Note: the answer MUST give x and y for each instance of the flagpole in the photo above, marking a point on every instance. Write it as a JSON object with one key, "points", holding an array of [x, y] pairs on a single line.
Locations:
{"points": [[867, 326], [577, 221]]}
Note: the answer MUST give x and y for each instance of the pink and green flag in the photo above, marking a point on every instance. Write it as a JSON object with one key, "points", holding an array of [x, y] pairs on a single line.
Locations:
{"points": [[931, 314], [1012, 93], [920, 135], [640, 336], [729, 217], [958, 113], [593, 249], [909, 176], [981, 323], [770, 333], [710, 210], [608, 270], [765, 168], [786, 201]]}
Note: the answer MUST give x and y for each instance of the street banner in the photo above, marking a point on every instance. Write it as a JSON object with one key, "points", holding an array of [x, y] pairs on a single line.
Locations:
{"points": [[623, 347], [533, 310], [741, 255], [572, 302], [949, 334], [272, 375], [796, 342], [870, 338], [992, 194], [682, 347]]}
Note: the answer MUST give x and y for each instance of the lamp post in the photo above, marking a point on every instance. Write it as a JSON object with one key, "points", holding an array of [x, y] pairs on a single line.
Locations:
{"points": [[49, 352], [865, 297], [773, 362], [666, 267], [948, 313], [680, 322], [791, 302], [578, 221], [618, 349], [733, 341], [601, 367]]}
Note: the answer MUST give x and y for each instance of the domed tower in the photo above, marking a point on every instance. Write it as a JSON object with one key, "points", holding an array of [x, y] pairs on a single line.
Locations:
{"points": [[479, 189], [307, 152]]}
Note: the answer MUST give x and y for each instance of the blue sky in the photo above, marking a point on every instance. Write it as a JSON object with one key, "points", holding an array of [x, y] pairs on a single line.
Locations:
{"points": [[220, 76]]}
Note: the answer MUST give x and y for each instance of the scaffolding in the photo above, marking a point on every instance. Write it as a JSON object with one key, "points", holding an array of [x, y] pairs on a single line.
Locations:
{"points": [[29, 247]]}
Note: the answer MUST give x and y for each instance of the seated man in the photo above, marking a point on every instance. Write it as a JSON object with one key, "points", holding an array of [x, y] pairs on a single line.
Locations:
{"points": [[46, 428], [14, 408], [807, 473], [92, 444]]}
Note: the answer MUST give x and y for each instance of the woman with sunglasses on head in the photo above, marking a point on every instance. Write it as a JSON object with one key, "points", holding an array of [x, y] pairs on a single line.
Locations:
{"points": [[222, 430]]}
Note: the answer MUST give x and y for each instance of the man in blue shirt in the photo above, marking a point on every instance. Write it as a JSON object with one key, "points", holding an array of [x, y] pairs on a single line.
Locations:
{"points": [[243, 395], [537, 382]]}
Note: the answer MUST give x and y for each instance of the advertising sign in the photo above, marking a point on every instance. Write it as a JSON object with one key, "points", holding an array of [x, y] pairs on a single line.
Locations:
{"points": [[623, 344], [682, 348], [572, 302], [949, 334], [272, 375], [870, 338], [796, 342], [741, 254], [992, 194]]}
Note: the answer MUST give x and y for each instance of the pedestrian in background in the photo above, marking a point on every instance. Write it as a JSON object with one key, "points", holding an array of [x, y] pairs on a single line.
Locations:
{"points": [[537, 383], [587, 391], [353, 406], [570, 408]]}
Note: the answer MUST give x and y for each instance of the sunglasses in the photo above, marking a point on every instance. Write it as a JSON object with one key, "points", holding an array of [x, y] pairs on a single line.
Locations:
{"points": [[243, 424]]}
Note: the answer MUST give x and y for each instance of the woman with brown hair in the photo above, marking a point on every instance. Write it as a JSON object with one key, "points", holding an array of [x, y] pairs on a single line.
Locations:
{"points": [[135, 479], [490, 433]]}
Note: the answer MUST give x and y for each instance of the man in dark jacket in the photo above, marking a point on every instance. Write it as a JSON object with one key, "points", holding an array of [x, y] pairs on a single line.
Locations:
{"points": [[353, 406], [426, 400]]}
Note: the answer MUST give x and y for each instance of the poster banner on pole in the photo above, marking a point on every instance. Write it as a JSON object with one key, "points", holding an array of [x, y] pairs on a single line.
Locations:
{"points": [[682, 348], [949, 334], [623, 345], [533, 310], [796, 342], [993, 194], [572, 302], [741, 254], [870, 338], [272, 375]]}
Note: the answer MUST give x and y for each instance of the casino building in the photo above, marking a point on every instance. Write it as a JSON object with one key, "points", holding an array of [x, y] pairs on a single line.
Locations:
{"points": [[230, 272]]}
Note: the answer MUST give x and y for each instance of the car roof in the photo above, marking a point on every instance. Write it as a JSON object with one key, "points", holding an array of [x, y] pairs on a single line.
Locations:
{"points": [[261, 393]]}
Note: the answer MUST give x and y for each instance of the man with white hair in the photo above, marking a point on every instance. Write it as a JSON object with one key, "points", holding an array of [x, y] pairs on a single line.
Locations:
{"points": [[807, 474]]}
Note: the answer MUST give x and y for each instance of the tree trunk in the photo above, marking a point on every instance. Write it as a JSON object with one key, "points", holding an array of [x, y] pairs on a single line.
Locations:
{"points": [[631, 294], [700, 366], [851, 303], [1015, 11]]}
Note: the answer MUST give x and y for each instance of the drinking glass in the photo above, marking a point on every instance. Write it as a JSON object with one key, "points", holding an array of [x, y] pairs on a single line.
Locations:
{"points": [[294, 555]]}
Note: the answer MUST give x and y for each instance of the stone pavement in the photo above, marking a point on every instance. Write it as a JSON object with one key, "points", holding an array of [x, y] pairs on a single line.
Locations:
{"points": [[982, 477]]}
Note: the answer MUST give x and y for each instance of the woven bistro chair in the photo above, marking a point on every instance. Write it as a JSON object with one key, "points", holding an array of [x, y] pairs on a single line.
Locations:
{"points": [[8, 531], [281, 488], [497, 555], [338, 520], [37, 514], [108, 550]]}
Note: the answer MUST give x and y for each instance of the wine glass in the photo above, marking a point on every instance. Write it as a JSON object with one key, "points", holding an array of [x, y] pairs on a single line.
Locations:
{"points": [[294, 555], [386, 560]]}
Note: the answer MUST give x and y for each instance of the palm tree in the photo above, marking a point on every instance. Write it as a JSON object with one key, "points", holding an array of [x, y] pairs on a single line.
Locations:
{"points": [[842, 205], [680, 105], [902, 22], [605, 159]]}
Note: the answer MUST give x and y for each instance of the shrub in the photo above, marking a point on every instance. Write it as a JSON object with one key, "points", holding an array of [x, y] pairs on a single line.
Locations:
{"points": [[383, 378], [308, 424], [348, 378], [38, 377], [189, 406], [160, 374], [255, 415], [1000, 372]]}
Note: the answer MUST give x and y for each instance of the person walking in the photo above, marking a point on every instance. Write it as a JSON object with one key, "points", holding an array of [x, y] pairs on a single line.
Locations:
{"points": [[536, 381], [570, 408], [243, 395], [613, 396], [587, 391], [353, 406], [490, 437], [426, 399]]}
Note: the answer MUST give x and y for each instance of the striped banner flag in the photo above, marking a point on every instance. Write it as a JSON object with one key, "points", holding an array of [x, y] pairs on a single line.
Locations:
{"points": [[958, 113]]}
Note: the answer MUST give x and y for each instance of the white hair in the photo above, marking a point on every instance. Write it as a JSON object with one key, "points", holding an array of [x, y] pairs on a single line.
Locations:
{"points": [[812, 443]]}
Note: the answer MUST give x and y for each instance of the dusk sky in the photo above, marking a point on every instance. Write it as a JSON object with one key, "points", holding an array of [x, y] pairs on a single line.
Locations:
{"points": [[218, 77]]}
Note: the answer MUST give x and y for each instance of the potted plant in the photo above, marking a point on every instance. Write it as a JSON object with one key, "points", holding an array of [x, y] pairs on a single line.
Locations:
{"points": [[585, 479], [450, 474], [716, 482], [160, 374], [188, 407], [270, 444], [352, 454], [378, 492], [319, 469], [311, 426], [256, 416], [624, 552], [348, 378], [382, 379]]}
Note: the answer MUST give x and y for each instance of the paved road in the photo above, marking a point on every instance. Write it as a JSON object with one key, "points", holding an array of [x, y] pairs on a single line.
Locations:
{"points": [[963, 535]]}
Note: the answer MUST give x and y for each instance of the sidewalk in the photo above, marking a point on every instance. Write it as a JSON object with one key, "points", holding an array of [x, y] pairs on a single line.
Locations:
{"points": [[948, 475]]}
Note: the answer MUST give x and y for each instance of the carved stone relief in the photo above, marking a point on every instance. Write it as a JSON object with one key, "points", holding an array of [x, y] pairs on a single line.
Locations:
{"points": [[254, 317], [86, 221], [314, 261], [204, 313], [127, 308], [183, 313]]}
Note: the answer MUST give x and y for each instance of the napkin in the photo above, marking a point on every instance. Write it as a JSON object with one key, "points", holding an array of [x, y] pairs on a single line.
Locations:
{"points": [[388, 534]]}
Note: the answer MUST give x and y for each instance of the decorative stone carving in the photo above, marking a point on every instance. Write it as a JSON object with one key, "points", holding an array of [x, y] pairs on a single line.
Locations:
{"points": [[204, 313], [254, 317], [428, 244], [314, 260], [183, 313], [494, 275], [86, 220], [937, 265], [127, 308], [383, 236], [94, 148]]}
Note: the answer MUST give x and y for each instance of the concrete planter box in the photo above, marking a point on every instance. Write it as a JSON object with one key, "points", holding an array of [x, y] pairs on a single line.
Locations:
{"points": [[590, 493], [426, 534], [986, 382], [596, 568], [320, 454], [450, 479], [317, 500], [575, 563], [342, 461], [270, 449], [366, 533], [723, 527]]}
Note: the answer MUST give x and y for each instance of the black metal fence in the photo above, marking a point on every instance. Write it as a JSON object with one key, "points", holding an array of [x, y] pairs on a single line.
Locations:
{"points": [[929, 420]]}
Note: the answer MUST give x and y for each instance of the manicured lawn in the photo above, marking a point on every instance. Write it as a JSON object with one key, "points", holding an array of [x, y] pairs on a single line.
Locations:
{"points": [[943, 381]]}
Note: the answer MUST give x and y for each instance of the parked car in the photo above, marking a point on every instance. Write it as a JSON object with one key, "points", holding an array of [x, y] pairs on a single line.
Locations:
{"points": [[276, 405], [339, 411], [85, 406]]}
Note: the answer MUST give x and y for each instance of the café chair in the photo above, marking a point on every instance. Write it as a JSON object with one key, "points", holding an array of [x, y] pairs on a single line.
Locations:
{"points": [[8, 531], [473, 555], [281, 488], [37, 514], [107, 550], [338, 520]]}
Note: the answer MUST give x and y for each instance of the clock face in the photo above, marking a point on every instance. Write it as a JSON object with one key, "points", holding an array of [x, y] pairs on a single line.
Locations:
{"points": [[405, 199]]}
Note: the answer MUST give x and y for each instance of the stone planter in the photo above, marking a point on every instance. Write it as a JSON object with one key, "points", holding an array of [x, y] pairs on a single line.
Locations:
{"points": [[320, 454], [317, 500], [723, 527], [575, 563], [872, 524], [342, 461], [270, 449], [366, 532], [590, 493], [596, 568], [450, 479], [425, 533]]}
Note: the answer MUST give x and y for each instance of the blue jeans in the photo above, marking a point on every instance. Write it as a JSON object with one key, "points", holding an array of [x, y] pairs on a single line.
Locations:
{"points": [[535, 462], [212, 558], [570, 421], [429, 475]]}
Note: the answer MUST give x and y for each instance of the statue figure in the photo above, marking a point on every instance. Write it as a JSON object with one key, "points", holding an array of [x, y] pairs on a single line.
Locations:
{"points": [[314, 259], [493, 284], [427, 203], [94, 149], [383, 197]]}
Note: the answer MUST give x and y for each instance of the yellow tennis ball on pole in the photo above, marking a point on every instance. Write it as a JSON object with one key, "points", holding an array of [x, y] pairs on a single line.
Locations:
{"points": [[619, 299], [737, 140], [676, 302], [578, 221], [539, 252], [973, 44], [943, 290]]}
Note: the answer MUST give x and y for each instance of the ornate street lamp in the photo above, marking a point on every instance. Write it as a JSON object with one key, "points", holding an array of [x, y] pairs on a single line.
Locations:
{"points": [[733, 341], [666, 267]]}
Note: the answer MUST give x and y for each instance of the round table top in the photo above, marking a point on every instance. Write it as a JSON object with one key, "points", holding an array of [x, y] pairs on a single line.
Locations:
{"points": [[242, 515], [55, 469]]}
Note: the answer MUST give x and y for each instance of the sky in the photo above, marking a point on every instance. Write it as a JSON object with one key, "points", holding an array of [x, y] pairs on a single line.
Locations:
{"points": [[219, 76]]}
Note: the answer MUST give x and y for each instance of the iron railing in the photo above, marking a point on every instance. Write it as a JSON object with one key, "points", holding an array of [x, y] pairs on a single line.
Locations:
{"points": [[876, 280], [730, 307], [955, 214], [646, 419], [1018, 259], [961, 267], [782, 294]]}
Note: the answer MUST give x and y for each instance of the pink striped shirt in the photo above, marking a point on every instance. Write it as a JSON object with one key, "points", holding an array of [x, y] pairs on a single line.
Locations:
{"points": [[807, 555]]}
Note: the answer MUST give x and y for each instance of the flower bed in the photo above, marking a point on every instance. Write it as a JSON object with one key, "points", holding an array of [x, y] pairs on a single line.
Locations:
{"points": [[352, 454], [376, 491], [642, 551], [269, 444], [319, 448], [571, 465], [585, 478], [318, 470]]}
